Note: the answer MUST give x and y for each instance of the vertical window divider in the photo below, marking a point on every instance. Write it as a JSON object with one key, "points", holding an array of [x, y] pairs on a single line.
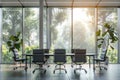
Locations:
{"points": [[22, 31], [96, 24], [72, 24], [41, 24]]}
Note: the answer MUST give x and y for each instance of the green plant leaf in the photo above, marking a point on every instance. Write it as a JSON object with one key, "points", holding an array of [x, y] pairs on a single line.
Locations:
{"points": [[99, 45], [98, 33], [9, 43], [111, 47], [107, 25], [104, 33], [14, 42], [18, 34]]}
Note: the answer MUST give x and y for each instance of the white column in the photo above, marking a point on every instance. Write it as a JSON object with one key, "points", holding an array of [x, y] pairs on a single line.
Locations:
{"points": [[41, 24], [0, 35], [118, 35], [49, 16]]}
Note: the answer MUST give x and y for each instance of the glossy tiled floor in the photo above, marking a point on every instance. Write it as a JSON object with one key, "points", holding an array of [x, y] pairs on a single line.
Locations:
{"points": [[7, 73]]}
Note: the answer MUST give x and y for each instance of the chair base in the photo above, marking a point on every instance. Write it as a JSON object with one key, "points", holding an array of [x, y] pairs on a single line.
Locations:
{"points": [[40, 69], [101, 67], [18, 66], [59, 68], [80, 68], [44, 71]]}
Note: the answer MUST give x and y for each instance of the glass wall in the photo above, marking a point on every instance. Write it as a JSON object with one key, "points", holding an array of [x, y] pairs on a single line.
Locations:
{"points": [[60, 28], [46, 31], [57, 28], [30, 29], [11, 24], [109, 15], [84, 29], [21, 20]]}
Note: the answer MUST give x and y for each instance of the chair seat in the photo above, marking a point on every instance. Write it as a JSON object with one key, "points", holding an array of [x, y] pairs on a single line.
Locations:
{"points": [[79, 63], [97, 59], [60, 63], [39, 63], [20, 59]]}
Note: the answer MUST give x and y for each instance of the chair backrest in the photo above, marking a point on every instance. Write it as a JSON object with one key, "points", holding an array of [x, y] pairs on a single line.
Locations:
{"points": [[103, 54], [80, 55], [72, 50], [38, 55], [59, 55], [15, 54], [47, 52]]}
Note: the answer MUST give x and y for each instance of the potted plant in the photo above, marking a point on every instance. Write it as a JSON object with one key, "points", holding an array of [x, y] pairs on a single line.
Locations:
{"points": [[14, 42], [108, 36]]}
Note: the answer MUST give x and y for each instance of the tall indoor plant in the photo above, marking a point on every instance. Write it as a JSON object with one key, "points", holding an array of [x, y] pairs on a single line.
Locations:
{"points": [[14, 42], [107, 37]]}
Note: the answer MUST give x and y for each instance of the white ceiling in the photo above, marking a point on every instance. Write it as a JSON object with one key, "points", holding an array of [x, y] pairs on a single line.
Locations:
{"points": [[77, 3], [110, 3]]}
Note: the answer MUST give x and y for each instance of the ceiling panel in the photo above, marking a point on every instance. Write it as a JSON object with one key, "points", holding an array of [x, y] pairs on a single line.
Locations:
{"points": [[31, 3], [85, 2], [34, 3], [59, 2], [9, 3], [110, 3]]}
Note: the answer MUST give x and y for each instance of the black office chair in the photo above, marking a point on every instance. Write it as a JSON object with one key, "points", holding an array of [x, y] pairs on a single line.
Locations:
{"points": [[60, 59], [102, 59], [79, 59], [17, 59], [38, 58], [46, 51], [72, 57]]}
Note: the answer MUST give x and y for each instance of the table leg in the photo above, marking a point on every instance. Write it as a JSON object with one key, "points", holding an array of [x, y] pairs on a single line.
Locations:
{"points": [[89, 62], [26, 63], [93, 63], [30, 61]]}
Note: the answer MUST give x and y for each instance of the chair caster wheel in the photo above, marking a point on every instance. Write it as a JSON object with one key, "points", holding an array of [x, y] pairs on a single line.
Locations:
{"points": [[74, 72], [85, 71], [72, 66], [33, 72], [14, 68], [54, 72], [65, 71], [105, 68], [44, 71]]}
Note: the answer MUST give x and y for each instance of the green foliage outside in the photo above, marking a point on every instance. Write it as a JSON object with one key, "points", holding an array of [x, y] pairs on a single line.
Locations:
{"points": [[112, 54], [29, 49], [12, 22]]}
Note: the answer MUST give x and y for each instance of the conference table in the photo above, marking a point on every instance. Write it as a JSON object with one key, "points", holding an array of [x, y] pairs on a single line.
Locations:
{"points": [[67, 54]]}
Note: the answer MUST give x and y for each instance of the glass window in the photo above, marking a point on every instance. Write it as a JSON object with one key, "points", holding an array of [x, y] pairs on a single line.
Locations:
{"points": [[60, 28], [31, 29], [45, 29], [84, 29], [11, 24], [109, 15]]}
